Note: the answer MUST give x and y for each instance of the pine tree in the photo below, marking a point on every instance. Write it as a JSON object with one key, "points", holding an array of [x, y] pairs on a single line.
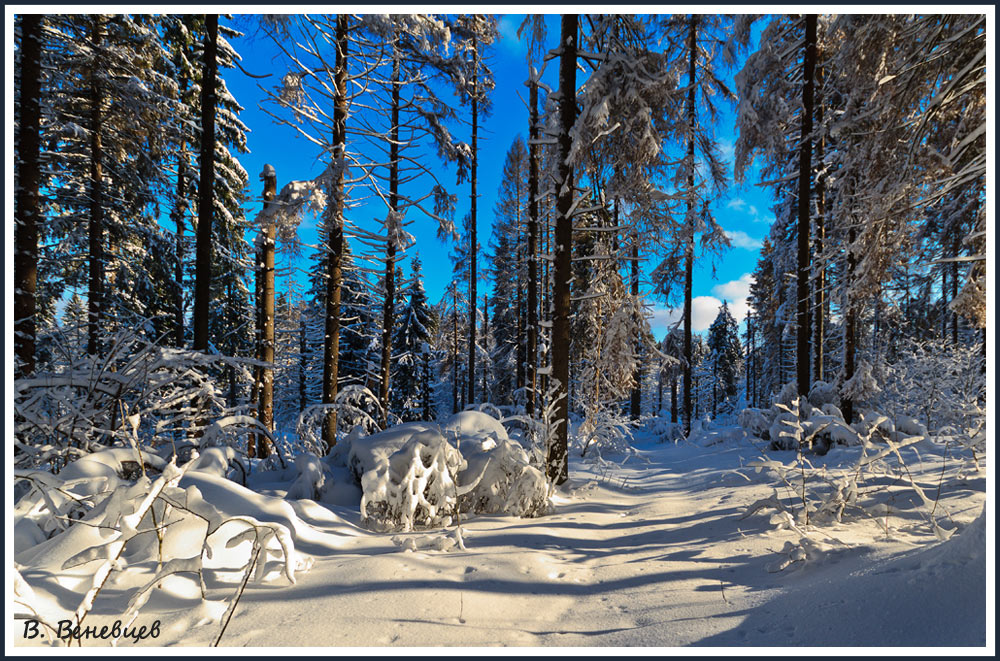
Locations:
{"points": [[412, 352], [724, 353]]}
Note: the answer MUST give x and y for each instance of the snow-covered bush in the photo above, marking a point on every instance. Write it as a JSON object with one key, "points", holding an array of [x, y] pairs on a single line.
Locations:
{"points": [[134, 388], [413, 486], [420, 475], [663, 430], [604, 431], [500, 472], [138, 532]]}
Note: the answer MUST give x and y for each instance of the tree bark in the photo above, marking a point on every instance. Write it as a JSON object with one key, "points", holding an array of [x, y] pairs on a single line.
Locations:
{"points": [[388, 306], [473, 246], [266, 406], [206, 188], [335, 240], [689, 248], [28, 178], [532, 349], [802, 358], [850, 324], [180, 206], [557, 466], [533, 272], [95, 297], [819, 291], [636, 399]]}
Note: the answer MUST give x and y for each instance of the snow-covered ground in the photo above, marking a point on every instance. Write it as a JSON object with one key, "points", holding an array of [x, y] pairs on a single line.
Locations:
{"points": [[656, 551]]}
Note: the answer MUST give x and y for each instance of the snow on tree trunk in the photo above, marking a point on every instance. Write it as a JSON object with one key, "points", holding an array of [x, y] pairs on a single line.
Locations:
{"points": [[266, 406], [335, 239], [95, 294], [803, 353], [27, 173], [557, 469], [206, 187]]}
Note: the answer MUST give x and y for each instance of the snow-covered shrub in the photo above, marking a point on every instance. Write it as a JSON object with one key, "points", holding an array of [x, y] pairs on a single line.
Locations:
{"points": [[131, 527], [822, 393], [604, 431], [420, 475], [663, 430], [755, 421], [134, 388], [936, 386], [357, 405], [503, 478], [310, 478], [407, 476]]}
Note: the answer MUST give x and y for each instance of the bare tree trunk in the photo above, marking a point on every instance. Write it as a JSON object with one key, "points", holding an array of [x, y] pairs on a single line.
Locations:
{"points": [[95, 302], [557, 466], [388, 306], [819, 293], [803, 356], [454, 347], [335, 240], [532, 349], [258, 372], [689, 248], [673, 398], [473, 245], [28, 176], [266, 406], [636, 399], [180, 205], [850, 324], [954, 287], [302, 361], [206, 188]]}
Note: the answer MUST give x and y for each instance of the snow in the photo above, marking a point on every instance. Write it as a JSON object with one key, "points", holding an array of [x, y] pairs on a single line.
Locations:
{"points": [[670, 545]]}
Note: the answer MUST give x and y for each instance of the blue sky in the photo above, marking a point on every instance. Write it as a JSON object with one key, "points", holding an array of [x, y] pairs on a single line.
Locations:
{"points": [[745, 213]]}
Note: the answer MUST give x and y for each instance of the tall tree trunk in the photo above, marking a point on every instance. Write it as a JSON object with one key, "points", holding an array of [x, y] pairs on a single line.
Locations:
{"points": [[180, 206], [206, 188], [954, 287], [473, 245], [486, 334], [266, 405], [28, 176], [95, 297], [454, 348], [258, 372], [636, 399], [388, 306], [335, 240], [302, 360], [557, 466], [532, 349], [803, 356], [673, 398], [689, 248], [819, 291], [850, 323]]}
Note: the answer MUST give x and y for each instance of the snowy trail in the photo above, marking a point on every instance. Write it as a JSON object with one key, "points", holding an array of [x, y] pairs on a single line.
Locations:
{"points": [[652, 553]]}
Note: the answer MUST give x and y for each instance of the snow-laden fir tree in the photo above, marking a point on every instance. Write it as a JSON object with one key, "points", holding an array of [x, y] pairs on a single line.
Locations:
{"points": [[725, 354]]}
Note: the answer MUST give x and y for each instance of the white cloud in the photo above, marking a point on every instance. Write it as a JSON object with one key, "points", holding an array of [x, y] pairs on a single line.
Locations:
{"points": [[739, 204], [734, 290], [704, 309], [741, 239]]}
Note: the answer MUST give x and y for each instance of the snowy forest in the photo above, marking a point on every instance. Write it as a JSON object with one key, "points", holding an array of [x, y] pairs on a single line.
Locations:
{"points": [[399, 390]]}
